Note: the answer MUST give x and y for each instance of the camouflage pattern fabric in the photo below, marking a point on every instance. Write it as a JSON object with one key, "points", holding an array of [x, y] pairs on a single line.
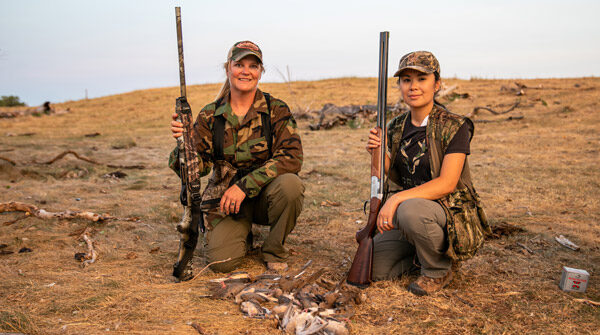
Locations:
{"points": [[423, 61], [245, 148], [242, 49], [218, 182], [466, 220], [191, 173]]}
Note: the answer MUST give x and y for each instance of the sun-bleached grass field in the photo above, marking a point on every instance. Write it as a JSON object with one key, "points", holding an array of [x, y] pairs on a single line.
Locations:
{"points": [[539, 173]]}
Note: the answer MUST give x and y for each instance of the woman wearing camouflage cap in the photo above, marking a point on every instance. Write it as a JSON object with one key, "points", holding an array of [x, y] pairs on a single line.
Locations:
{"points": [[231, 136], [432, 214]]}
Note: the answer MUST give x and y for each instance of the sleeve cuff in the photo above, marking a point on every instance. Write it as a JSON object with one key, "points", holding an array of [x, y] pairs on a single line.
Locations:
{"points": [[250, 193]]}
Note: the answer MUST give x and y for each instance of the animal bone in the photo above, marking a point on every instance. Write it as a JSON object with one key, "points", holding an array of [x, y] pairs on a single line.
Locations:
{"points": [[566, 243], [92, 254]]}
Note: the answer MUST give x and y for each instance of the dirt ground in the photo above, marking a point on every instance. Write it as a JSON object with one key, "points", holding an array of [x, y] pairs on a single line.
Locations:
{"points": [[539, 173]]}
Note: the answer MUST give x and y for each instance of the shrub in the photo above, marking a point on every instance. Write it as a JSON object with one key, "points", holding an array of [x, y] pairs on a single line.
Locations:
{"points": [[10, 100]]}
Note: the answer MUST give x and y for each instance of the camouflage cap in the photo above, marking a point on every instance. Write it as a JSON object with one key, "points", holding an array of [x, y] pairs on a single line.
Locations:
{"points": [[423, 61], [243, 49]]}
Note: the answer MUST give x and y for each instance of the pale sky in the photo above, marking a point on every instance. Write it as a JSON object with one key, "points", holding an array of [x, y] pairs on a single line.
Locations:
{"points": [[55, 50]]}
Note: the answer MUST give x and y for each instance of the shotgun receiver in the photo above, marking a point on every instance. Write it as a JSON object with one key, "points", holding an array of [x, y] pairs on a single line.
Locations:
{"points": [[190, 196], [360, 271]]}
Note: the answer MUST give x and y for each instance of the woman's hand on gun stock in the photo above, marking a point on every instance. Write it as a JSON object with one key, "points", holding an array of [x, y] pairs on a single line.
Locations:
{"points": [[176, 127]]}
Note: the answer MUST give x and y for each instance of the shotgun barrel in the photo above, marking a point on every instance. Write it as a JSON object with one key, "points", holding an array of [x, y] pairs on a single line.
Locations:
{"points": [[180, 52], [190, 196]]}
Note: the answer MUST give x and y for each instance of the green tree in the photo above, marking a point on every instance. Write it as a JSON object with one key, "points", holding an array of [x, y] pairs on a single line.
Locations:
{"points": [[10, 100]]}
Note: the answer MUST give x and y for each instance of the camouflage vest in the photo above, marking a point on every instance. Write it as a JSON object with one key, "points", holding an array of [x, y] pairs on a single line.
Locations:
{"points": [[466, 221]]}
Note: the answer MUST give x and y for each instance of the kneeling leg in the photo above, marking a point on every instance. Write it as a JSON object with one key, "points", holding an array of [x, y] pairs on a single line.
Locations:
{"points": [[227, 240]]}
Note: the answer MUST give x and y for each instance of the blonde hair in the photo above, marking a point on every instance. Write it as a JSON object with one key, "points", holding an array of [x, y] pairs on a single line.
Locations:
{"points": [[226, 87]]}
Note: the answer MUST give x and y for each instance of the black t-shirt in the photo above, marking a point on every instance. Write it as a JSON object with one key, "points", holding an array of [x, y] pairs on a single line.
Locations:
{"points": [[412, 159]]}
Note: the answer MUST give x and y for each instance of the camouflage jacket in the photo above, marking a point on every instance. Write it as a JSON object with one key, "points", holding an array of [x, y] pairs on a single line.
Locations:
{"points": [[466, 221], [245, 150]]}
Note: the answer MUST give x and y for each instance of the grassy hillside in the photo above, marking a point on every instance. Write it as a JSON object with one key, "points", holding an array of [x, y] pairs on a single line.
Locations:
{"points": [[539, 173]]}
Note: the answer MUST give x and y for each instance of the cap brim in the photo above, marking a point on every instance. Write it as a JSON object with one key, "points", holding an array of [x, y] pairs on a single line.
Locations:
{"points": [[413, 67], [245, 53]]}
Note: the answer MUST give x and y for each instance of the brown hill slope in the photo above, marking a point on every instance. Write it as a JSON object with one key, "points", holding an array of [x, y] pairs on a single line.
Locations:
{"points": [[539, 172]]}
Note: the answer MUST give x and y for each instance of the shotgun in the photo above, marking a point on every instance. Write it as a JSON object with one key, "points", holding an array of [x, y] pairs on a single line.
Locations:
{"points": [[360, 271], [190, 196]]}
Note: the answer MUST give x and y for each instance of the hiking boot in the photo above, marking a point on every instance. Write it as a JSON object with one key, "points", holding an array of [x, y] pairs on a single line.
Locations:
{"points": [[426, 285], [277, 266]]}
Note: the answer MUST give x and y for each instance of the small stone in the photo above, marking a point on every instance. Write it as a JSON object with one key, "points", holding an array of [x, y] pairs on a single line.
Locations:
{"points": [[131, 255]]}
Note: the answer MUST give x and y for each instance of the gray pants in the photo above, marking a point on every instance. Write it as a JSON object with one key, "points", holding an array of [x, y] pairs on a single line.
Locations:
{"points": [[278, 206], [418, 230]]}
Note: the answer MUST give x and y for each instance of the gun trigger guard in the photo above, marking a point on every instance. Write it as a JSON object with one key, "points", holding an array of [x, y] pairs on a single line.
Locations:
{"points": [[365, 206]]}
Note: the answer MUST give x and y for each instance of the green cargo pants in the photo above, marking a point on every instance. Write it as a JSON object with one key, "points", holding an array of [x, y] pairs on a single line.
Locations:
{"points": [[278, 206], [419, 230]]}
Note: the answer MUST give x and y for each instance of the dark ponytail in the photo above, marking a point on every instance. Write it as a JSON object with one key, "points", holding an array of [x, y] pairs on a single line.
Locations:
{"points": [[438, 78]]}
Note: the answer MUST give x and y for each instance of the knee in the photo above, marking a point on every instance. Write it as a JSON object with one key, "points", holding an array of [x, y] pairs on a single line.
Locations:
{"points": [[381, 267], [227, 266], [379, 275], [228, 255], [288, 187], [409, 215]]}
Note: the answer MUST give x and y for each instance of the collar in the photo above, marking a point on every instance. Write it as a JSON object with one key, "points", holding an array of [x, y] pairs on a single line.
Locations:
{"points": [[258, 106]]}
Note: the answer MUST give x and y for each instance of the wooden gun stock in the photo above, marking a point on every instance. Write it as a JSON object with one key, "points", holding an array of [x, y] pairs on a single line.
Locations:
{"points": [[360, 271]]}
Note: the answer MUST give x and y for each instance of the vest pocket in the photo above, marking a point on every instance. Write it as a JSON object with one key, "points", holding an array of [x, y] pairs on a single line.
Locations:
{"points": [[465, 232]]}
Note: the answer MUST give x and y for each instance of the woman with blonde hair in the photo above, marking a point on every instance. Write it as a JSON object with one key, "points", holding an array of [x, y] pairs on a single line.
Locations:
{"points": [[432, 214], [250, 141]]}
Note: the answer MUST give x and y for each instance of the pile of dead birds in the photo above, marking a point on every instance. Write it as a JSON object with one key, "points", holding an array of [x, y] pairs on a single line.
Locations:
{"points": [[302, 304]]}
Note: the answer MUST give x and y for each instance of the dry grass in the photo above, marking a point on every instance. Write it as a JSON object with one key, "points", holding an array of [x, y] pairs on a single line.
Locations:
{"points": [[546, 163]]}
